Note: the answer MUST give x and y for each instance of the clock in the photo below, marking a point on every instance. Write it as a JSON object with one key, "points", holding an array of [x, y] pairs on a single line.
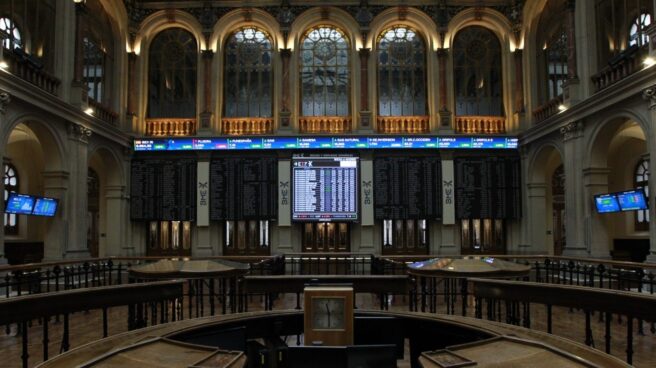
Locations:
{"points": [[328, 315]]}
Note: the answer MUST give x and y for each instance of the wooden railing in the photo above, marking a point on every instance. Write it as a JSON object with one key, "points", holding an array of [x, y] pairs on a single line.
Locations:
{"points": [[480, 124], [103, 112], [403, 124], [141, 298], [548, 109], [247, 126], [27, 67], [170, 127], [490, 293], [324, 124], [619, 67]]}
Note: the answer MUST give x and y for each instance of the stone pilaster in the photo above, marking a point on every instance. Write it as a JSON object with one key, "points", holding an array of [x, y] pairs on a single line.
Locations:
{"points": [[205, 121], [117, 207], [76, 197], [649, 95], [595, 181], [536, 219], [575, 221]]}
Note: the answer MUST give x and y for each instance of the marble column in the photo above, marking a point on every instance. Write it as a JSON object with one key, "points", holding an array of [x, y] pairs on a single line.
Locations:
{"points": [[575, 216], [55, 185], [205, 122], [76, 197], [649, 94], [285, 113], [445, 114], [365, 111], [78, 87]]}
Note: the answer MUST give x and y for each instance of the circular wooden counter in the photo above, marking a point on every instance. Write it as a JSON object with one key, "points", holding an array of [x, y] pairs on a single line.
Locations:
{"points": [[291, 323], [480, 267]]}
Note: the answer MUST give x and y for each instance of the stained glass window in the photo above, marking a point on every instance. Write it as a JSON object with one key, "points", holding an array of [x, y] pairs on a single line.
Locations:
{"points": [[401, 54], [637, 34], [324, 72], [477, 72], [11, 186], [248, 78], [172, 75], [12, 35]]}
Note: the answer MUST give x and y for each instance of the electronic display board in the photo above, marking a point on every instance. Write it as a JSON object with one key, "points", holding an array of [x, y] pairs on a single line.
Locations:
{"points": [[45, 207], [325, 188], [632, 200], [20, 204], [606, 203], [323, 142]]}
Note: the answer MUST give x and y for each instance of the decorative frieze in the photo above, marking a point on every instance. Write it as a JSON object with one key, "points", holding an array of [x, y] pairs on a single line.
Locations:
{"points": [[572, 130], [5, 99], [79, 132], [649, 94]]}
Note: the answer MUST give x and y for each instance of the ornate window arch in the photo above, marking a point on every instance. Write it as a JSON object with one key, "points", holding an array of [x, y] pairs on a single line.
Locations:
{"points": [[173, 58], [248, 74], [325, 72], [401, 59], [637, 35], [13, 37], [477, 69], [641, 180], [11, 181]]}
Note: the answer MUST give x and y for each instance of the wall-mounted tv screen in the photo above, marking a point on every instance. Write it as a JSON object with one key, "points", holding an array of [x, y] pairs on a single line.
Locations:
{"points": [[632, 200], [21, 204], [325, 188], [45, 207], [607, 203]]}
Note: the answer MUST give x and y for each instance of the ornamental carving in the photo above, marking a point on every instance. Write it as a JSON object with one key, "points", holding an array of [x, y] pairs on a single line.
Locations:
{"points": [[5, 99], [572, 130], [649, 94], [79, 132]]}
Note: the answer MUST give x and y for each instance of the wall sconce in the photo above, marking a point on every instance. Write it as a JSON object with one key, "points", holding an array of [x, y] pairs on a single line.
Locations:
{"points": [[89, 111], [649, 61], [562, 107]]}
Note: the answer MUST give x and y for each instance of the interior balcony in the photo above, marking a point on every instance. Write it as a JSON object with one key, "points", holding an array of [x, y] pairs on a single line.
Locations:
{"points": [[325, 124], [170, 126], [247, 126], [480, 124], [403, 124]]}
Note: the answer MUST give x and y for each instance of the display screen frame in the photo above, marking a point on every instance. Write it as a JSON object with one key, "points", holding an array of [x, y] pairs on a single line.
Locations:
{"points": [[613, 197], [300, 217], [49, 200], [624, 194], [22, 197]]}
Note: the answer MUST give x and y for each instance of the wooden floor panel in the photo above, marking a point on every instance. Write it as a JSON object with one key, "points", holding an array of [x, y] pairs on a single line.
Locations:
{"points": [[87, 327]]}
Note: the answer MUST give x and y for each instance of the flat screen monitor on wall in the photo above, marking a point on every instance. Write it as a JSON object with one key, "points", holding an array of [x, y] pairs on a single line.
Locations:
{"points": [[606, 203], [21, 204], [632, 200], [45, 207], [325, 188]]}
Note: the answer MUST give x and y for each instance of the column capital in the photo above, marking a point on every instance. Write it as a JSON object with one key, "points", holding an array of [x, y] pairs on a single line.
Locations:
{"points": [[364, 51], [285, 53], [5, 99], [207, 54], [79, 132], [649, 94], [572, 130]]}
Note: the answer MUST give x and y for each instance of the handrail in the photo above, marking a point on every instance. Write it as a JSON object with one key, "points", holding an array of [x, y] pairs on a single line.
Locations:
{"points": [[640, 306], [34, 306]]}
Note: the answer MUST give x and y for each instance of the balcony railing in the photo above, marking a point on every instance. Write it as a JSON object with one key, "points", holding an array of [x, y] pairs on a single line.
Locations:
{"points": [[103, 112], [550, 108], [324, 124], [29, 68], [170, 127], [619, 67], [247, 126], [403, 124], [481, 124]]}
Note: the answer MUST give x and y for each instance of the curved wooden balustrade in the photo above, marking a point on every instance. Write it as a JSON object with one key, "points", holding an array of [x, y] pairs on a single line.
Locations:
{"points": [[170, 127], [547, 110], [422, 331], [620, 67], [324, 124], [480, 124], [403, 124], [247, 126], [608, 302], [139, 297]]}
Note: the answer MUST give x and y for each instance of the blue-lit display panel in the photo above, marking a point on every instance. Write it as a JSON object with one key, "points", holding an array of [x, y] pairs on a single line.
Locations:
{"points": [[607, 203], [632, 200], [322, 142], [21, 204], [45, 207]]}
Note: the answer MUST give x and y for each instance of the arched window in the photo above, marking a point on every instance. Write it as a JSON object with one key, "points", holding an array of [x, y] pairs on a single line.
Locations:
{"points": [[556, 52], [93, 69], [12, 35], [641, 180], [324, 72], [98, 49], [637, 34], [11, 186], [401, 56], [172, 75], [477, 72], [248, 80]]}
